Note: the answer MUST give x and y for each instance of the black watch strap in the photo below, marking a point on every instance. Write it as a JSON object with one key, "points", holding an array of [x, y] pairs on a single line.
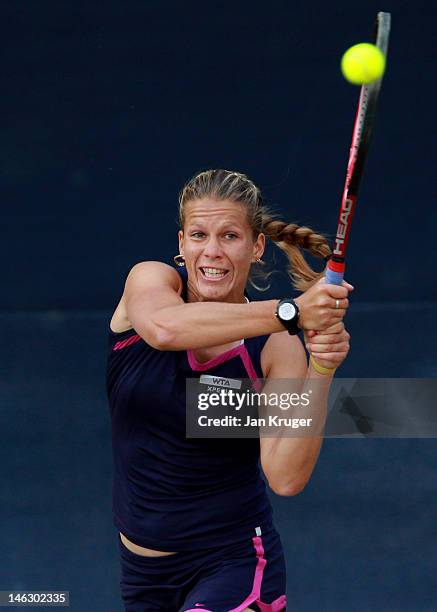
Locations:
{"points": [[287, 312]]}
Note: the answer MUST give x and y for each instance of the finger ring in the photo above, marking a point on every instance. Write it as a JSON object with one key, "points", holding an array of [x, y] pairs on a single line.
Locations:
{"points": [[337, 303]]}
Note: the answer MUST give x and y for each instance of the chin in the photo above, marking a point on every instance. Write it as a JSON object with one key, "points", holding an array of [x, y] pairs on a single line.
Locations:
{"points": [[211, 292], [213, 295]]}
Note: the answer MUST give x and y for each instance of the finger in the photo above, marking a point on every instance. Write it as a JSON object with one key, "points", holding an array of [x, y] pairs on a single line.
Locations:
{"points": [[330, 336], [347, 285], [334, 357], [328, 339], [335, 291], [336, 328], [342, 304], [333, 347], [334, 317]]}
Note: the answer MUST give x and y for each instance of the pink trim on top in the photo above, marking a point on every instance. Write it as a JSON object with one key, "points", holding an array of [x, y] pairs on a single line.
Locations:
{"points": [[240, 350], [197, 366], [247, 361], [127, 342]]}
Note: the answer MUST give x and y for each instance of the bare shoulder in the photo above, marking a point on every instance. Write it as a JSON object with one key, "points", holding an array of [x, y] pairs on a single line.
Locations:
{"points": [[141, 276], [151, 272], [283, 355]]}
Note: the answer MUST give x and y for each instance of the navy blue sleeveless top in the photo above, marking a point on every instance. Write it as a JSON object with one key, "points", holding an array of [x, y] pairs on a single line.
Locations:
{"points": [[171, 493]]}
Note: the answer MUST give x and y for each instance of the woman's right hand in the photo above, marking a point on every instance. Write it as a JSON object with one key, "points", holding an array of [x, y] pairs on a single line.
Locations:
{"points": [[317, 306], [331, 347]]}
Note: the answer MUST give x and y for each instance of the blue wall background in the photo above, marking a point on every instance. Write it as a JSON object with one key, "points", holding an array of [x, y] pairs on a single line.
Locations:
{"points": [[108, 108]]}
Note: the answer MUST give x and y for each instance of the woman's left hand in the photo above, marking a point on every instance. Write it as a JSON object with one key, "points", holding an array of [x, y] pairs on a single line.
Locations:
{"points": [[330, 347]]}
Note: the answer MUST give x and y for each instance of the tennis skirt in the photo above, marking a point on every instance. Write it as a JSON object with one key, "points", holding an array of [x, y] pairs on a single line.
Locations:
{"points": [[251, 574]]}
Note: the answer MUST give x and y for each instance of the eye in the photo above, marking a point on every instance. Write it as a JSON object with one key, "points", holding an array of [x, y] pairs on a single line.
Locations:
{"points": [[197, 234], [231, 235]]}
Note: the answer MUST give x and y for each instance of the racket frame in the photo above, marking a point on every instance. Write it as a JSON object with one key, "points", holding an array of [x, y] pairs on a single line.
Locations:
{"points": [[361, 137]]}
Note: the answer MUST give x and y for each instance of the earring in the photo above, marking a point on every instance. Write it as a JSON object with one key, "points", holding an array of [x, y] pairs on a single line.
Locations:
{"points": [[257, 260], [179, 260]]}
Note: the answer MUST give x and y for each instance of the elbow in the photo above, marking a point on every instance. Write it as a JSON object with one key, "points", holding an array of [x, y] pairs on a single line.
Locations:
{"points": [[158, 336], [289, 489], [161, 336], [163, 340]]}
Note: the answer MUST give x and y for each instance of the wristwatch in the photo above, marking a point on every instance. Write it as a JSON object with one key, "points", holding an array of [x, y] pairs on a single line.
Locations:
{"points": [[287, 311]]}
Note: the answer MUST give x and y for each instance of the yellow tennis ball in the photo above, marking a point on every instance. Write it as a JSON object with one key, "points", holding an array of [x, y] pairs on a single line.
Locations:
{"points": [[362, 64]]}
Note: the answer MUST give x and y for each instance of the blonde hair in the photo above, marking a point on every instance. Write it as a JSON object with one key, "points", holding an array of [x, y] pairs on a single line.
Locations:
{"points": [[291, 238]]}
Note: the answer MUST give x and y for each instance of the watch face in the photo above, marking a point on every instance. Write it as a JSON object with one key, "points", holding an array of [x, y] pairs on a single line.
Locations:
{"points": [[286, 311]]}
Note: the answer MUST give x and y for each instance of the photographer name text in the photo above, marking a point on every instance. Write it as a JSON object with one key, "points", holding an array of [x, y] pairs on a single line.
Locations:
{"points": [[271, 421]]}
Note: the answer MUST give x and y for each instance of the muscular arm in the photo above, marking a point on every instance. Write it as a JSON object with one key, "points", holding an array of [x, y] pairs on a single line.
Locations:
{"points": [[155, 309], [288, 462], [157, 312]]}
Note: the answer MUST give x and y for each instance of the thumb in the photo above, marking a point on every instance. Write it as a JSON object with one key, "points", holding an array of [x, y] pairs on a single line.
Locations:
{"points": [[348, 285]]}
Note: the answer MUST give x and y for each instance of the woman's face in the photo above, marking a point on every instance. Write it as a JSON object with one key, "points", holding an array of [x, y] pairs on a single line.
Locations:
{"points": [[218, 247]]}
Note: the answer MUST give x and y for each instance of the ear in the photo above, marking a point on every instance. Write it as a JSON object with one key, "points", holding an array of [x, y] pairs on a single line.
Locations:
{"points": [[181, 241], [259, 246]]}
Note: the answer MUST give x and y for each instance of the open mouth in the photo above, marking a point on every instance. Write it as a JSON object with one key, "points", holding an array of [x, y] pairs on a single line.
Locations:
{"points": [[213, 273]]}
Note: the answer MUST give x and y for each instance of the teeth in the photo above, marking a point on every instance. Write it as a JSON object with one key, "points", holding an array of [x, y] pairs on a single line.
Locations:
{"points": [[214, 272]]}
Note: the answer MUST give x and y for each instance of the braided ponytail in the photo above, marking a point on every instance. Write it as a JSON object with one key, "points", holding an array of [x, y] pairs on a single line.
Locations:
{"points": [[292, 239]]}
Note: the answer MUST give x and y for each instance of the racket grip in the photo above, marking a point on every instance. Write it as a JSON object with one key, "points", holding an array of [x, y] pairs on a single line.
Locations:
{"points": [[334, 273]]}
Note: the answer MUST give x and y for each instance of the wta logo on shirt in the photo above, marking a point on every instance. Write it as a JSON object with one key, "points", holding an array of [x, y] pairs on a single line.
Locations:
{"points": [[219, 382]]}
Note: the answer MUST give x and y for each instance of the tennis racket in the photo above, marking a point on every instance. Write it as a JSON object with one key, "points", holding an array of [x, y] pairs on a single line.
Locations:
{"points": [[363, 127]]}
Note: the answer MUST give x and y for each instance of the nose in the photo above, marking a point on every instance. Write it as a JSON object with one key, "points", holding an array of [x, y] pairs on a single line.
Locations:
{"points": [[212, 248]]}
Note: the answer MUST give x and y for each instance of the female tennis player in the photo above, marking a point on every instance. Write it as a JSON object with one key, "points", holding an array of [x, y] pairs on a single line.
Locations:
{"points": [[194, 518]]}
